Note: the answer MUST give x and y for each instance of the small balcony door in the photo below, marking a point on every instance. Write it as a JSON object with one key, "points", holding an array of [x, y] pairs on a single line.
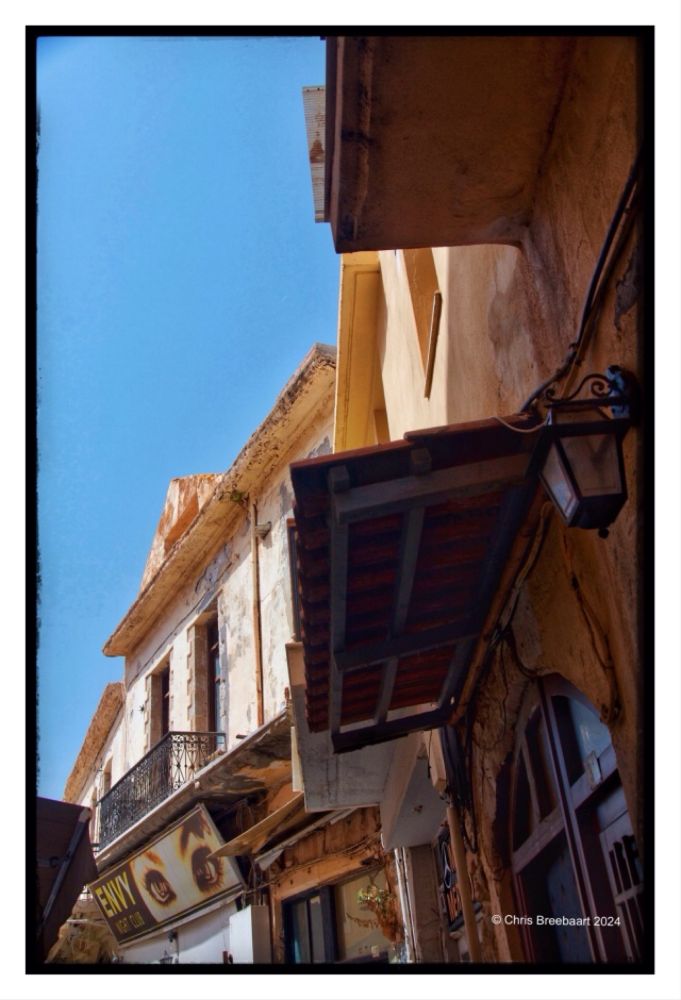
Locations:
{"points": [[213, 677]]}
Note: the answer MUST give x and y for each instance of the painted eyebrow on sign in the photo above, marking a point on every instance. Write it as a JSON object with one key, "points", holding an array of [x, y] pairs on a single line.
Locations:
{"points": [[194, 826]]}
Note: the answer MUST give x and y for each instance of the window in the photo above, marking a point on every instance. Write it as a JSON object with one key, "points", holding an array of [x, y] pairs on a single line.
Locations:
{"points": [[94, 819], [293, 567], [572, 845], [213, 676], [158, 715], [426, 301], [104, 787], [309, 929], [205, 677], [335, 924], [165, 701], [106, 779]]}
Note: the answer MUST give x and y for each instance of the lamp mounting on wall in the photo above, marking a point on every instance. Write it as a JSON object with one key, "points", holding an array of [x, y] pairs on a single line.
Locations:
{"points": [[579, 457]]}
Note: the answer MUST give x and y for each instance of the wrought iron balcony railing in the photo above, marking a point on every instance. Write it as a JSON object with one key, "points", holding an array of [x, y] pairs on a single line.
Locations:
{"points": [[170, 764]]}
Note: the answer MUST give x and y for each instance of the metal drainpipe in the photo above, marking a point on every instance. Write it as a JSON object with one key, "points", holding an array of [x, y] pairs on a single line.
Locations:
{"points": [[257, 625], [463, 881], [405, 905]]}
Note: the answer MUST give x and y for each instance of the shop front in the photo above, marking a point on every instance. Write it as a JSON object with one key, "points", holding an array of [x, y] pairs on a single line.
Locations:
{"points": [[170, 901]]}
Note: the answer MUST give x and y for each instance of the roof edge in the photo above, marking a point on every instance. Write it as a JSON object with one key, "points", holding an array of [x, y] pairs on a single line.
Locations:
{"points": [[110, 704], [224, 502]]}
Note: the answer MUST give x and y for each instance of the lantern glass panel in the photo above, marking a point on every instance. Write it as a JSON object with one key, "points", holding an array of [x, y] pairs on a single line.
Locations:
{"points": [[594, 462], [558, 484]]}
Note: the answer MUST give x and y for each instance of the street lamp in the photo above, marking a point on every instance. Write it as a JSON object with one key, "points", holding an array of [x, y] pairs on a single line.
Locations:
{"points": [[580, 453]]}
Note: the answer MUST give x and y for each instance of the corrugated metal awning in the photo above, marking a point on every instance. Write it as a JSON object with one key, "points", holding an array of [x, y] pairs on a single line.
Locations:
{"points": [[400, 552]]}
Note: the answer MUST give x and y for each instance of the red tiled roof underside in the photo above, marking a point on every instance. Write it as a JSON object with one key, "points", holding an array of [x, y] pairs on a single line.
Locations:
{"points": [[449, 571]]}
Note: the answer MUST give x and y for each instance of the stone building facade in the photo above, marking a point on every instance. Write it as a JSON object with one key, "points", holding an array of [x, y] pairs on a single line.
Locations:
{"points": [[194, 745], [487, 196]]}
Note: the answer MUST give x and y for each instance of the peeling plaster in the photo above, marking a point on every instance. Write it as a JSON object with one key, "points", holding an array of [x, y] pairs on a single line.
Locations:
{"points": [[214, 570]]}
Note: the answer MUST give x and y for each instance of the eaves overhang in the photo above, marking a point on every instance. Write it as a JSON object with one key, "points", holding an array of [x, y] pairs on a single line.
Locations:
{"points": [[310, 386], [438, 141], [404, 552], [360, 292], [106, 713]]}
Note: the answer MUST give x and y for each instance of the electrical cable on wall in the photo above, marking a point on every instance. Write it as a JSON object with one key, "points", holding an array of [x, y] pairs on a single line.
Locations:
{"points": [[620, 226], [531, 557]]}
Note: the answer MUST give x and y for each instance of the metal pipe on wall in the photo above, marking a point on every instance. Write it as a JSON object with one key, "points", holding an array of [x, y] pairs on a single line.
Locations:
{"points": [[405, 905], [463, 881], [257, 623]]}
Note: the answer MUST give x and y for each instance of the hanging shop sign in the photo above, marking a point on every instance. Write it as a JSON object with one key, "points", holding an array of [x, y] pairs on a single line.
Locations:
{"points": [[449, 889], [170, 877]]}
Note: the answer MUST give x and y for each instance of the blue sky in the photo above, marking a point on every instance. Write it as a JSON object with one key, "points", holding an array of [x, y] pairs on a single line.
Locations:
{"points": [[181, 279]]}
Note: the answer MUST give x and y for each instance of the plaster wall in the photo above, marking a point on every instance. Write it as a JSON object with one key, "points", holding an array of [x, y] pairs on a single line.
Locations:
{"points": [[112, 754], [469, 380], [203, 939], [437, 135], [101, 748], [335, 780], [111, 757], [580, 615], [275, 505], [166, 641], [509, 316], [235, 623], [225, 581]]}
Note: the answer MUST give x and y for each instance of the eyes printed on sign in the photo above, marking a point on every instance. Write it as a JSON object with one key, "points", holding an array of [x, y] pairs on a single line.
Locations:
{"points": [[207, 872], [156, 883]]}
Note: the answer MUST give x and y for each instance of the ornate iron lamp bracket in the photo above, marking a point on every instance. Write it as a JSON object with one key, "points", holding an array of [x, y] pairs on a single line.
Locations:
{"points": [[616, 388]]}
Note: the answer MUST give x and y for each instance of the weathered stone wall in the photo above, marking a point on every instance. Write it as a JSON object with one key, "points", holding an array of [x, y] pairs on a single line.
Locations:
{"points": [[96, 742], [276, 601], [236, 598], [221, 582], [104, 769], [509, 316], [167, 641], [225, 577], [184, 498]]}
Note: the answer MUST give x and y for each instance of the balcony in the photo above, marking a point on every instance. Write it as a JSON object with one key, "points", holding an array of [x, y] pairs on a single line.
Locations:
{"points": [[169, 765]]}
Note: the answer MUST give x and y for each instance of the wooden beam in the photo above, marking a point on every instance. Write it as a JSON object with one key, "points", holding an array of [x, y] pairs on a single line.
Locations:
{"points": [[402, 645], [338, 483], [456, 673], [397, 495], [386, 692], [410, 541], [388, 730]]}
